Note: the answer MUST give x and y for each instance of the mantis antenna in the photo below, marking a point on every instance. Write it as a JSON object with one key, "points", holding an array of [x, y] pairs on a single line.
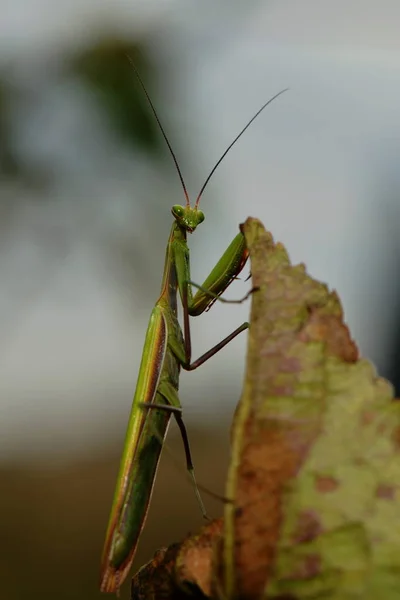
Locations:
{"points": [[173, 153], [219, 161]]}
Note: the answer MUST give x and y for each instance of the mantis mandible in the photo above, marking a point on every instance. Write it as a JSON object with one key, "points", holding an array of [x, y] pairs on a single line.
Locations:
{"points": [[166, 350]]}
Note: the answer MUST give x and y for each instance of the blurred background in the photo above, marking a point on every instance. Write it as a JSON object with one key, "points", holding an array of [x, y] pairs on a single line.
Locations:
{"points": [[86, 188]]}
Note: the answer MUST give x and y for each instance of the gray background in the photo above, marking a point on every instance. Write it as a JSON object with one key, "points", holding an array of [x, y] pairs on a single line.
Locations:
{"points": [[81, 260]]}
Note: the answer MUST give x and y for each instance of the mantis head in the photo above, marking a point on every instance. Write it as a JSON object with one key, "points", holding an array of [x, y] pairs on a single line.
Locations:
{"points": [[187, 217]]}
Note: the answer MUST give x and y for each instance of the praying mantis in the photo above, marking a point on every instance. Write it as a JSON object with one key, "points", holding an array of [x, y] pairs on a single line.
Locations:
{"points": [[166, 350]]}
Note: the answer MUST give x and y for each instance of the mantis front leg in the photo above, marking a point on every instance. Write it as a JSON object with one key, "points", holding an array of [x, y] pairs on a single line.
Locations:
{"points": [[225, 271]]}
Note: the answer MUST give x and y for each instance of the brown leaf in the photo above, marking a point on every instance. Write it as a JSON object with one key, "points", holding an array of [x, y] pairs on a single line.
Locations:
{"points": [[194, 561], [181, 571], [312, 425], [155, 580]]}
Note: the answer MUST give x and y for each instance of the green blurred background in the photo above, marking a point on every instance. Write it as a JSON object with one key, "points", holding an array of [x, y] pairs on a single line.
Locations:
{"points": [[86, 188]]}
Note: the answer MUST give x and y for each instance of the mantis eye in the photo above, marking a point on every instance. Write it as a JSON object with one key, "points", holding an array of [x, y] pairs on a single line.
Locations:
{"points": [[200, 216], [177, 210]]}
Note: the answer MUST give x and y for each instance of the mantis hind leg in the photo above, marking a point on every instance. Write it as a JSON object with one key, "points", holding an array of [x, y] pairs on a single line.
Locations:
{"points": [[172, 404]]}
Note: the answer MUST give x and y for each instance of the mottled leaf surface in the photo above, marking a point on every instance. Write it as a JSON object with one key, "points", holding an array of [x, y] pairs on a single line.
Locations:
{"points": [[315, 470]]}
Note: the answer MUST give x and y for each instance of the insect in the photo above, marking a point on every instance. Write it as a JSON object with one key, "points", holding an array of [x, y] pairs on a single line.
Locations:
{"points": [[166, 350]]}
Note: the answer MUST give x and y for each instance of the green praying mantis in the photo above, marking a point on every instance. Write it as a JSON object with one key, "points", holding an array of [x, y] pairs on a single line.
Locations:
{"points": [[166, 350]]}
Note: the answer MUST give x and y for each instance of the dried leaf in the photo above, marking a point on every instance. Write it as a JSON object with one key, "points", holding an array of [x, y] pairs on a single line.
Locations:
{"points": [[154, 580], [181, 571], [195, 557], [315, 471]]}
